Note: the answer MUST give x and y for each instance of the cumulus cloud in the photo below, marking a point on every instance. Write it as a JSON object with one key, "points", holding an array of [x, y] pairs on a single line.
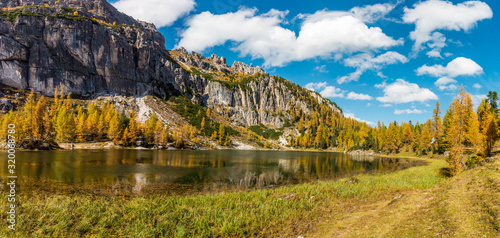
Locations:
{"points": [[365, 61], [433, 15], [358, 96], [402, 91], [372, 13], [332, 92], [322, 34], [457, 67], [446, 83], [316, 86], [351, 115], [436, 43], [160, 12], [408, 111]]}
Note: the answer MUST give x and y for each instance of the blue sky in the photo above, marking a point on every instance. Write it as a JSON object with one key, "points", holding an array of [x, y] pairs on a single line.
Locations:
{"points": [[378, 60]]}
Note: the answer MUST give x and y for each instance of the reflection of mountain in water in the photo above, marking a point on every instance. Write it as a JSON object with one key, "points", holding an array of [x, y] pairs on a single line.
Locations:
{"points": [[209, 169]]}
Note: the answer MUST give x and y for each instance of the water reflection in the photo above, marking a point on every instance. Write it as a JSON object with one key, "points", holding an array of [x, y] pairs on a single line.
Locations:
{"points": [[208, 169]]}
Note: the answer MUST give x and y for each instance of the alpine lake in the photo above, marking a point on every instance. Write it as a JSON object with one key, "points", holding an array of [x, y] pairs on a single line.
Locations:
{"points": [[132, 172]]}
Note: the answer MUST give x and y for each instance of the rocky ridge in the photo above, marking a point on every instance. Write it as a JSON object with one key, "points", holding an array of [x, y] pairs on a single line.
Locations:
{"points": [[245, 94]]}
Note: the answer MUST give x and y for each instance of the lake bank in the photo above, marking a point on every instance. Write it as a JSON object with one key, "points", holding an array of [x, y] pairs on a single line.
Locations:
{"points": [[292, 209]]}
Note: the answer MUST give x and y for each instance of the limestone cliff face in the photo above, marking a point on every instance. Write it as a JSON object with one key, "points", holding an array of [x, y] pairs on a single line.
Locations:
{"points": [[86, 46], [263, 99], [90, 48]]}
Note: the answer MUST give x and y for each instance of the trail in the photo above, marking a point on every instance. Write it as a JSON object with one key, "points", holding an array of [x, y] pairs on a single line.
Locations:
{"points": [[467, 205]]}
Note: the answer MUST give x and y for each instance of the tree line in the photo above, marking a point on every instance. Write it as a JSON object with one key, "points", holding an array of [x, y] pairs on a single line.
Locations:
{"points": [[39, 122], [466, 134]]}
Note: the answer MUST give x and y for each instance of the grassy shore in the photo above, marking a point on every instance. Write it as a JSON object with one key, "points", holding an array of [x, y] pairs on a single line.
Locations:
{"points": [[287, 210]]}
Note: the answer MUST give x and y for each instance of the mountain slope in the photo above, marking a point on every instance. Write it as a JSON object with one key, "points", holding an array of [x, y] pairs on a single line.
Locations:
{"points": [[92, 50]]}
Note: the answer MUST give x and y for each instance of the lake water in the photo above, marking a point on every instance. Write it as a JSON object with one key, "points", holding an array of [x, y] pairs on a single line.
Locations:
{"points": [[197, 169]]}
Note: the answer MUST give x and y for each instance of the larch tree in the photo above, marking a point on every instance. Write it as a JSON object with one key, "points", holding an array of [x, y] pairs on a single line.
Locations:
{"points": [[446, 132], [126, 137], [65, 125], [488, 126], [81, 132], [392, 139], [114, 131], [29, 118], [426, 138], [473, 132], [43, 124], [437, 128], [407, 135], [458, 133], [133, 128], [8, 119]]}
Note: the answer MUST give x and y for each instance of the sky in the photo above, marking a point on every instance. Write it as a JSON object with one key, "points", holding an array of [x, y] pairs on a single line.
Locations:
{"points": [[378, 60]]}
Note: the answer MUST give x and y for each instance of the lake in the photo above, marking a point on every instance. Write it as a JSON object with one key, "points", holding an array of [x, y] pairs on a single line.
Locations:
{"points": [[168, 170]]}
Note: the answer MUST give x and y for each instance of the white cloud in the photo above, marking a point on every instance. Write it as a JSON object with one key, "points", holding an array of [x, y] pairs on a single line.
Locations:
{"points": [[365, 61], [351, 115], [446, 83], [457, 67], [160, 12], [477, 86], [358, 96], [372, 13], [332, 92], [408, 111], [386, 105], [433, 15], [448, 54], [316, 86], [321, 69], [437, 42], [403, 92], [322, 34]]}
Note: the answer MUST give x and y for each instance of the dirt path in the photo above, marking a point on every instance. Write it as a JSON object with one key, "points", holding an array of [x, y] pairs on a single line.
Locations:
{"points": [[467, 205]]}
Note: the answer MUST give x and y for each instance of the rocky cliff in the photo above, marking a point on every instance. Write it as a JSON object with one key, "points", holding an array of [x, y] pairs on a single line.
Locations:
{"points": [[91, 49], [85, 45], [243, 93]]}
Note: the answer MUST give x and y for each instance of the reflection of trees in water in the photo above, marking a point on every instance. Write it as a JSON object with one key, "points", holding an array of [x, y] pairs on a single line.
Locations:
{"points": [[216, 169]]}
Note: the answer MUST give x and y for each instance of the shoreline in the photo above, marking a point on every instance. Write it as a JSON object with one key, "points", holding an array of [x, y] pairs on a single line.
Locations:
{"points": [[110, 145]]}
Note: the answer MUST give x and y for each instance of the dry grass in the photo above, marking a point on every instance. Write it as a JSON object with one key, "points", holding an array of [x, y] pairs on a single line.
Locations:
{"points": [[467, 205]]}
